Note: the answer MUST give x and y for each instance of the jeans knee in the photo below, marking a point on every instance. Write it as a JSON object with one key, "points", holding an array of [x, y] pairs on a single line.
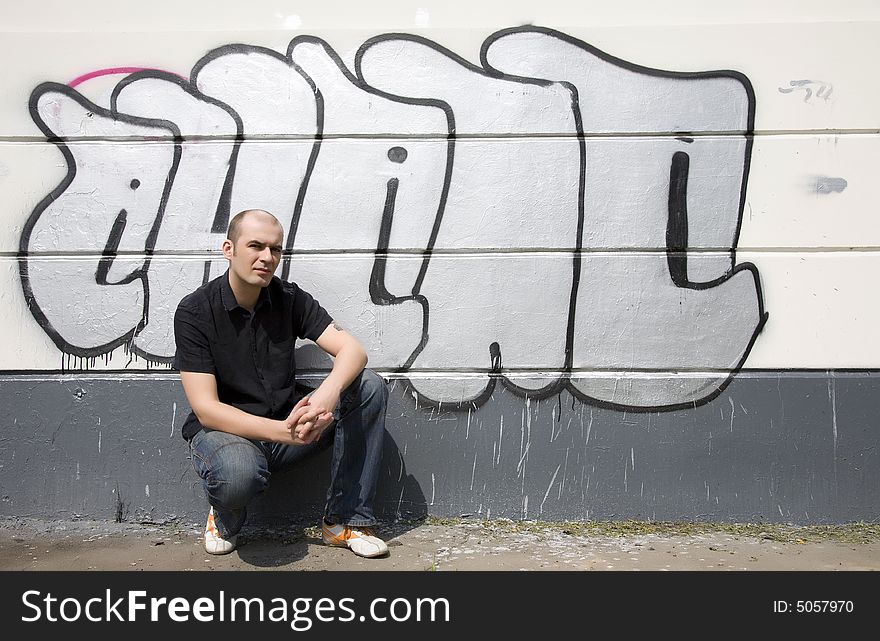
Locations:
{"points": [[373, 387], [233, 484]]}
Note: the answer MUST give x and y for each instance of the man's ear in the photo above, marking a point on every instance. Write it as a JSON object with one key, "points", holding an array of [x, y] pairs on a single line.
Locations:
{"points": [[228, 248]]}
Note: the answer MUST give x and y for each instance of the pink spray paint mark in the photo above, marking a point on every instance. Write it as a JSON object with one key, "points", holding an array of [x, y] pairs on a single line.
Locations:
{"points": [[112, 70]]}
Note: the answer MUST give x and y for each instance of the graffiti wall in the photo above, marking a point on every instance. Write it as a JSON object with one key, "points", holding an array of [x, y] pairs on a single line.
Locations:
{"points": [[606, 275]]}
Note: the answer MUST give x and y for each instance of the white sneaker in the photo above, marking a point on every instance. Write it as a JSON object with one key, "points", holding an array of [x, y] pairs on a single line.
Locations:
{"points": [[214, 543], [360, 540]]}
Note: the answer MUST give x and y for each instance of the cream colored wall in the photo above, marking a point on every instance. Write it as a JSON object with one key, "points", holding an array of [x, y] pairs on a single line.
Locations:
{"points": [[817, 249]]}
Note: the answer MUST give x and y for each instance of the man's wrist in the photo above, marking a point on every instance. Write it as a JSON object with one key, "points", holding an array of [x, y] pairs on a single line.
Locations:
{"points": [[278, 429], [332, 384]]}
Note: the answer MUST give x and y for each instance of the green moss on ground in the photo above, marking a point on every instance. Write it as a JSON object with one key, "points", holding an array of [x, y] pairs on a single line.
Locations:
{"points": [[858, 532]]}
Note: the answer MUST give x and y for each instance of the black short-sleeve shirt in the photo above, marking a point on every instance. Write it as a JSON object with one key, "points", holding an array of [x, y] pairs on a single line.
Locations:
{"points": [[250, 354]]}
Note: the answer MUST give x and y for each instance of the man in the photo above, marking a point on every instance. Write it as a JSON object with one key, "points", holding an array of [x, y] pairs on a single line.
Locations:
{"points": [[235, 340]]}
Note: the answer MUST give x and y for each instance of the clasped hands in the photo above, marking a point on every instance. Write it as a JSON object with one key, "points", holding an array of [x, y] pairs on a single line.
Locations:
{"points": [[308, 418]]}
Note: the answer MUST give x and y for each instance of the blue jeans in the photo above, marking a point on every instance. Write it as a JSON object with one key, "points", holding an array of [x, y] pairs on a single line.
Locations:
{"points": [[235, 469]]}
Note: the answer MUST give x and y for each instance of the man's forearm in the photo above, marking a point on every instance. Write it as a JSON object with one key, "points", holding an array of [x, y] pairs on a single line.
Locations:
{"points": [[347, 365], [227, 418]]}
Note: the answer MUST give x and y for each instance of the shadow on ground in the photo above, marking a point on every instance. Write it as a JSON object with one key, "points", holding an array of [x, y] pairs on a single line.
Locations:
{"points": [[283, 521]]}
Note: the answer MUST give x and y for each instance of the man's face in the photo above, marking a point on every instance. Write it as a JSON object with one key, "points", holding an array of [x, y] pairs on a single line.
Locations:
{"points": [[257, 251]]}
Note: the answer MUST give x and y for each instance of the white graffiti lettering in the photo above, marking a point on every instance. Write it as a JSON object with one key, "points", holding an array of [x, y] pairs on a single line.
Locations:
{"points": [[551, 210]]}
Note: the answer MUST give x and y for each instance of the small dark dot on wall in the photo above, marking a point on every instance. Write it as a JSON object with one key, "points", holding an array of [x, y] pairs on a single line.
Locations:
{"points": [[135, 183], [397, 154]]}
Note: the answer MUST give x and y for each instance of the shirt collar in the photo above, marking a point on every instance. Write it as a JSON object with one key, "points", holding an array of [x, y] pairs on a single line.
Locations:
{"points": [[228, 297]]}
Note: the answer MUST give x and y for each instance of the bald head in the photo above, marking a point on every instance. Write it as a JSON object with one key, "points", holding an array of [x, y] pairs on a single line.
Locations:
{"points": [[234, 230]]}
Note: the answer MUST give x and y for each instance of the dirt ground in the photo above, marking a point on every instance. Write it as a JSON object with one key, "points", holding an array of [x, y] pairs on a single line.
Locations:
{"points": [[439, 545]]}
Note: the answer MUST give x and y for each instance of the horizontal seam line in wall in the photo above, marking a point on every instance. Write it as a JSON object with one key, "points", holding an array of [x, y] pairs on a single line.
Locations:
{"points": [[440, 136], [116, 375], [420, 253]]}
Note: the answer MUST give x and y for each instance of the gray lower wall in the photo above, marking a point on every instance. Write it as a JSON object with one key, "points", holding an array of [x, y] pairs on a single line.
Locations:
{"points": [[796, 447]]}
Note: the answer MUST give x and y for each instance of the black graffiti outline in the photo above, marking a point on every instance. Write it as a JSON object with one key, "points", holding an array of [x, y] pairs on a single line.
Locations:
{"points": [[319, 131], [748, 132], [564, 381], [109, 253], [494, 373], [677, 208], [379, 295], [221, 215]]}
